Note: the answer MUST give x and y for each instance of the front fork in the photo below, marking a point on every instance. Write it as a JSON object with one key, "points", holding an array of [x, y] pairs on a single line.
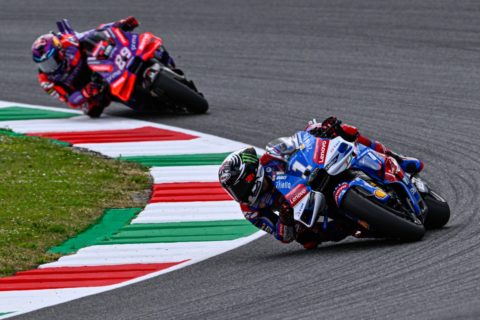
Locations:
{"points": [[165, 58]]}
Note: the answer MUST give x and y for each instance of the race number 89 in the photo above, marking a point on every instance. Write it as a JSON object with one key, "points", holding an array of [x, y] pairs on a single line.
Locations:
{"points": [[122, 58]]}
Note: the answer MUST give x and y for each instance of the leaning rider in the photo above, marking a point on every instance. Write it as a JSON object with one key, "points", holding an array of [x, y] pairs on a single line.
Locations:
{"points": [[64, 74], [248, 180]]}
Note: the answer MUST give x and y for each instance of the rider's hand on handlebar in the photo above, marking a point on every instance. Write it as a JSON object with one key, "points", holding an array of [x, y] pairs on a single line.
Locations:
{"points": [[92, 89], [128, 24], [330, 126], [284, 233]]}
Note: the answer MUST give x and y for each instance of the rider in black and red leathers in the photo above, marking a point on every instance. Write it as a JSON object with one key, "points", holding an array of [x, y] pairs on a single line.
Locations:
{"points": [[249, 181], [63, 71]]}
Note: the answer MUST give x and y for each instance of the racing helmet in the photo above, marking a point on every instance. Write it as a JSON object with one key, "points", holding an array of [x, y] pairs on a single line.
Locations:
{"points": [[242, 175], [48, 54]]}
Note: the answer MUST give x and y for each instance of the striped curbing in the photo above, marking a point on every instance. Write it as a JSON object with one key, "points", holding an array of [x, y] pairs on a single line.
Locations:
{"points": [[189, 211], [179, 160], [189, 218], [203, 173], [188, 191], [111, 221], [110, 136]]}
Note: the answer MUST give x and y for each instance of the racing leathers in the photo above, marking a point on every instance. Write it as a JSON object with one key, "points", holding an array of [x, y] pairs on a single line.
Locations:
{"points": [[272, 213], [75, 83]]}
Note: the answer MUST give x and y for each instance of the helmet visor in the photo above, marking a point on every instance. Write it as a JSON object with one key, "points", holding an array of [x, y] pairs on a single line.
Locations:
{"points": [[258, 185], [240, 191], [51, 64], [247, 191]]}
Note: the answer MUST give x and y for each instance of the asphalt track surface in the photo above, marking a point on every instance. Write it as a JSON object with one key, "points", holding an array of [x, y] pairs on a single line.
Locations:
{"points": [[405, 72]]}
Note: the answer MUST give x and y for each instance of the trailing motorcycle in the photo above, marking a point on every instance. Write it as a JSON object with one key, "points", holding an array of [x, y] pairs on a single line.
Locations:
{"points": [[332, 177], [129, 64]]}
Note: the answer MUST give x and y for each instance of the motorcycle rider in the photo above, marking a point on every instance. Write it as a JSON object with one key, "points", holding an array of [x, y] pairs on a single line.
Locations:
{"points": [[64, 74], [249, 180]]}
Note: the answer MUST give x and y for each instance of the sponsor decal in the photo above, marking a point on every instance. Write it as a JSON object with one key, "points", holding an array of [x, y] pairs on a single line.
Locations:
{"points": [[283, 185], [250, 215], [332, 162], [297, 194], [412, 190], [380, 194], [248, 158], [339, 191], [133, 42], [302, 206], [120, 36], [102, 67], [114, 75], [144, 39], [308, 143], [321, 148], [108, 50]]}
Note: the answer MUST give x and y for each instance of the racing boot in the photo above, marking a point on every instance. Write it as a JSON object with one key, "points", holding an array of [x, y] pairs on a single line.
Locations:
{"points": [[310, 238], [409, 165]]}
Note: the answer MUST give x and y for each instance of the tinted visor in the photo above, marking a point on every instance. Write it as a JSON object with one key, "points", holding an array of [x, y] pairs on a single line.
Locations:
{"points": [[241, 190], [52, 63]]}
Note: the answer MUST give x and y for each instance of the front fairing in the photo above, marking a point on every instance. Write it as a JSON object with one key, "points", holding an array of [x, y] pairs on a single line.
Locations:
{"points": [[117, 56], [375, 166], [333, 155]]}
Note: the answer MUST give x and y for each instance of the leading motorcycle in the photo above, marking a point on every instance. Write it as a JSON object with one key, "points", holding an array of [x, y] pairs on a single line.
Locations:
{"points": [[331, 177], [128, 63]]}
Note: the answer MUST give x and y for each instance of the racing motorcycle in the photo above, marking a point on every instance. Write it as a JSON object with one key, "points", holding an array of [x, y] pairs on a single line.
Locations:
{"points": [[333, 177], [128, 63]]}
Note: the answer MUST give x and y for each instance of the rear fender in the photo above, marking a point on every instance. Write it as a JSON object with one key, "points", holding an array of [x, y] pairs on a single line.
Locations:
{"points": [[362, 186]]}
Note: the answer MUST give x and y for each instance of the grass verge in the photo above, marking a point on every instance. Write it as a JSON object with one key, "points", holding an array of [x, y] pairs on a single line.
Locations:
{"points": [[49, 193]]}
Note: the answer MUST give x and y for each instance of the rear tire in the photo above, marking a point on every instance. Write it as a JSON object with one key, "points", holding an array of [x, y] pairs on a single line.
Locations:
{"points": [[381, 221], [438, 211], [177, 93]]}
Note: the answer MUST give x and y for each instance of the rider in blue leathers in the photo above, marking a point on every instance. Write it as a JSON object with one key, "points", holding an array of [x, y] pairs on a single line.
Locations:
{"points": [[249, 180]]}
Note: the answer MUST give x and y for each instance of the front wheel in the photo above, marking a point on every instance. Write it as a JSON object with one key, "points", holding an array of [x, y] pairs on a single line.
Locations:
{"points": [[382, 221], [438, 210], [168, 88]]}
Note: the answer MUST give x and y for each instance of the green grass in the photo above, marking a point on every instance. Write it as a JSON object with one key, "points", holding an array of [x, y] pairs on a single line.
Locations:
{"points": [[49, 193]]}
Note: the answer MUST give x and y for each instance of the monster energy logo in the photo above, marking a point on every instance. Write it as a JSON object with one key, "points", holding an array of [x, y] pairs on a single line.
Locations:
{"points": [[248, 158]]}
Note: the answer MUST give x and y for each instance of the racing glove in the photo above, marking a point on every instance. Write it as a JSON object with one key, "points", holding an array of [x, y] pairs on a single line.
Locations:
{"points": [[128, 24], [284, 233], [92, 89], [324, 130]]}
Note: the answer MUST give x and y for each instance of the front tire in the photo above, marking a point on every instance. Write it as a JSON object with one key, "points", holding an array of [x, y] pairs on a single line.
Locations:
{"points": [[381, 221], [438, 211], [177, 93]]}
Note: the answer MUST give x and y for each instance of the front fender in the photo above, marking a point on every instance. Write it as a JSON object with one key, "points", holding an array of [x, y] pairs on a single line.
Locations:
{"points": [[363, 186]]}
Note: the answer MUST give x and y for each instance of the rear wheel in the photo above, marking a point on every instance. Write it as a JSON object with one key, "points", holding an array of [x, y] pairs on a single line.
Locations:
{"points": [[166, 87], [438, 210], [383, 221]]}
